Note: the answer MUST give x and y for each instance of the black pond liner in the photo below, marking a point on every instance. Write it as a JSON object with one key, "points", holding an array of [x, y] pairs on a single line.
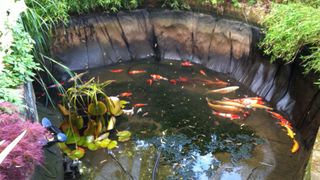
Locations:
{"points": [[222, 45]]}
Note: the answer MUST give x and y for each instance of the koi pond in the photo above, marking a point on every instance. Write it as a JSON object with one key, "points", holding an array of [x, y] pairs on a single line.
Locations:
{"points": [[183, 125]]}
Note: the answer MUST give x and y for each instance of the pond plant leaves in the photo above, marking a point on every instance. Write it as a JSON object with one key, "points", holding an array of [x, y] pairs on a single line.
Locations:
{"points": [[114, 106], [97, 109], [94, 128], [112, 145], [123, 136], [111, 123], [93, 146], [77, 153], [72, 135], [77, 121], [63, 110], [86, 109]]}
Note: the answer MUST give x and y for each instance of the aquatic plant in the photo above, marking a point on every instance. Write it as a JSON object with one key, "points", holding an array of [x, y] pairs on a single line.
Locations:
{"points": [[90, 116], [28, 153]]}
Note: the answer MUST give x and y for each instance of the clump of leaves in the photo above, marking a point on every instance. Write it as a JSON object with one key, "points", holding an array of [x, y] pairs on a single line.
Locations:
{"points": [[19, 66], [90, 117], [290, 29], [28, 153], [176, 4]]}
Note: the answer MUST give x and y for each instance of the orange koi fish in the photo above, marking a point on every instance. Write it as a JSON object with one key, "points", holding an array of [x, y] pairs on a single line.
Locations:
{"points": [[116, 70], [56, 85], [139, 105], [126, 94], [226, 115], [137, 71], [295, 146], [224, 90], [60, 94], [203, 72], [158, 77], [173, 81], [183, 79], [186, 64], [149, 81], [276, 115]]}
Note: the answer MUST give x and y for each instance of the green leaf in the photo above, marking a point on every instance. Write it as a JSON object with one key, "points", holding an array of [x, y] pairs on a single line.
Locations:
{"points": [[112, 145], [111, 123], [93, 146], [97, 109], [72, 137], [123, 136], [76, 154]]}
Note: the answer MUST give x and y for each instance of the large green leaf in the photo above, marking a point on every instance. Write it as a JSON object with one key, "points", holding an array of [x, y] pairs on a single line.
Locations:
{"points": [[112, 145], [123, 136], [97, 109], [77, 153], [114, 106]]}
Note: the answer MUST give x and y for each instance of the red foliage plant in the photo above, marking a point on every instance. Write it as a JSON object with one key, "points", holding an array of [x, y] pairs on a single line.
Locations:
{"points": [[21, 161]]}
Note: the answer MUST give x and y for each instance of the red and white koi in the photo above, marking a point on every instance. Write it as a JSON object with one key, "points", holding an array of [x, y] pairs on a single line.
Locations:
{"points": [[275, 115], [140, 105], [282, 121], [203, 72], [226, 115], [137, 72], [186, 64], [116, 70], [158, 77], [149, 81]]}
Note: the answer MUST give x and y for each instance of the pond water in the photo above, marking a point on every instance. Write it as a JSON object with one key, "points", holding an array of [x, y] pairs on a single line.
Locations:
{"points": [[176, 136]]}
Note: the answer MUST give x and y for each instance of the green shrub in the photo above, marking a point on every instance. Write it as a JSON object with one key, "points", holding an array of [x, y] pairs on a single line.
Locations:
{"points": [[290, 29], [18, 63], [85, 6]]}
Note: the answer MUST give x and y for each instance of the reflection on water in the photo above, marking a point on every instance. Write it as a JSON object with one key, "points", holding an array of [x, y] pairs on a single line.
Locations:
{"points": [[178, 129]]}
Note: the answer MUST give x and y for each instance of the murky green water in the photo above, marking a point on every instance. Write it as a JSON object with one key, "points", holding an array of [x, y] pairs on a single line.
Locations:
{"points": [[178, 129]]}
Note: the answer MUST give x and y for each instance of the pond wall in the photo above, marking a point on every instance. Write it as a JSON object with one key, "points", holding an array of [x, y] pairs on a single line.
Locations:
{"points": [[223, 45]]}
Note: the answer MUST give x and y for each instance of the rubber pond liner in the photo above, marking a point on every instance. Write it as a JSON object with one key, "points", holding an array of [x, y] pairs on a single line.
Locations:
{"points": [[222, 45]]}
